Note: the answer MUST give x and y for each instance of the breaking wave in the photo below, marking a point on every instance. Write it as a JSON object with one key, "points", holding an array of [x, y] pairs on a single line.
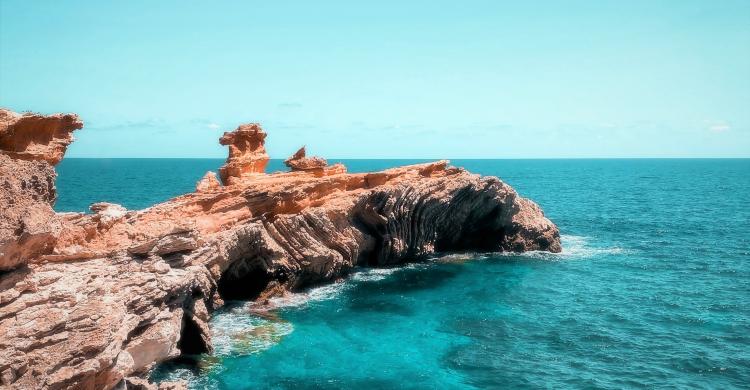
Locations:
{"points": [[315, 294], [573, 248], [242, 331]]}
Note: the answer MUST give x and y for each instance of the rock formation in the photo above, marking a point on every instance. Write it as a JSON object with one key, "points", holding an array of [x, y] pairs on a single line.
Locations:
{"points": [[300, 162], [120, 291], [37, 137], [208, 182], [315, 165], [247, 153], [30, 145]]}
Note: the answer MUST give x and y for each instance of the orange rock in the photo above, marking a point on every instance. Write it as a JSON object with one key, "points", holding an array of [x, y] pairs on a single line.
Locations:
{"points": [[37, 137], [30, 144], [299, 162], [209, 182], [247, 154], [318, 166]]}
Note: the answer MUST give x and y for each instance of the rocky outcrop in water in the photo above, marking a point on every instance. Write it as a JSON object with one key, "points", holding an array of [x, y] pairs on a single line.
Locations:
{"points": [[122, 290]]}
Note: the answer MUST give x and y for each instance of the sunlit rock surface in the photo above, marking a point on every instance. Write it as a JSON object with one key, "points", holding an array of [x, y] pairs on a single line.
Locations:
{"points": [[247, 153], [30, 146]]}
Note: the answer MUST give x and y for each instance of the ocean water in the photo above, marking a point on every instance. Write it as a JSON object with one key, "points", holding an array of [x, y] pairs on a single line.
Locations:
{"points": [[652, 289]]}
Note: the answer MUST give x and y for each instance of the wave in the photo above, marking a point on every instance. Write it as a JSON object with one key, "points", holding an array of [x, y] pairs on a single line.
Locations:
{"points": [[579, 246], [573, 247], [258, 328], [239, 332], [195, 380], [373, 274], [333, 290], [315, 294]]}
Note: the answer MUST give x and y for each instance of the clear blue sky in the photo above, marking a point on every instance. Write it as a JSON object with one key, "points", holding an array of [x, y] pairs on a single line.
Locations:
{"points": [[427, 79]]}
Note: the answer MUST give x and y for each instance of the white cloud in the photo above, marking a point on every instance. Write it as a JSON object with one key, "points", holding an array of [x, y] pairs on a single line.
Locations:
{"points": [[213, 126], [719, 127]]}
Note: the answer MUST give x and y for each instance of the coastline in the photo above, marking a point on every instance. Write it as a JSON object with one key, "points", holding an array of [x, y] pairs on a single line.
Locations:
{"points": [[145, 282]]}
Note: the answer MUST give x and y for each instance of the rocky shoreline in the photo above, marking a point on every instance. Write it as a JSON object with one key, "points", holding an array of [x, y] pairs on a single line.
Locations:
{"points": [[94, 301]]}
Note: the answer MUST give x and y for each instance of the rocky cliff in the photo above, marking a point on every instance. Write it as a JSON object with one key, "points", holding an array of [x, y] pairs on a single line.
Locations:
{"points": [[30, 146], [114, 292]]}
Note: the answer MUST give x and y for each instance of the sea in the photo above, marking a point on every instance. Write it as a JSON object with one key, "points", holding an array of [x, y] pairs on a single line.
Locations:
{"points": [[652, 289]]}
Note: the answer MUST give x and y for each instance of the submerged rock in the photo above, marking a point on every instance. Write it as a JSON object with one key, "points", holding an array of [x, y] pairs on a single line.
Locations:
{"points": [[104, 302]]}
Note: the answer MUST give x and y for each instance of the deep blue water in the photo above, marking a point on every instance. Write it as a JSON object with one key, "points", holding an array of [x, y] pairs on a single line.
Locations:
{"points": [[652, 289]]}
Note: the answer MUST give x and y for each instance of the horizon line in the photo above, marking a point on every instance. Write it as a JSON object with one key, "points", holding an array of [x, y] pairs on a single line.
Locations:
{"points": [[429, 158]]}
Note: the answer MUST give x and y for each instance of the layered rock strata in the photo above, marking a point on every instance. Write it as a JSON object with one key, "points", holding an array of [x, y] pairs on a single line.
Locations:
{"points": [[123, 290], [37, 137], [247, 153], [30, 146]]}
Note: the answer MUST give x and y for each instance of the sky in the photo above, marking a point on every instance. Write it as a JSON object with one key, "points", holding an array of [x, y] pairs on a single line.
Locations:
{"points": [[387, 79]]}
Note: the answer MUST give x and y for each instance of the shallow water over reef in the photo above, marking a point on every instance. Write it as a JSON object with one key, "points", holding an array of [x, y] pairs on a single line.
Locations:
{"points": [[652, 289]]}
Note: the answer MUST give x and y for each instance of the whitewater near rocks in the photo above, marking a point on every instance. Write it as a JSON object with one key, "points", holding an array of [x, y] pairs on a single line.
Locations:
{"points": [[91, 301]]}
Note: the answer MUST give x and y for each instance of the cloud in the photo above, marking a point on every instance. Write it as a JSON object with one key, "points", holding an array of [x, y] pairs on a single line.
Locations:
{"points": [[152, 124], [289, 105], [719, 128], [148, 123]]}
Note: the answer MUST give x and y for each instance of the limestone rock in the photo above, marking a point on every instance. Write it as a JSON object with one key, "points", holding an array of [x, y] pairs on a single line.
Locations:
{"points": [[299, 162], [107, 213], [247, 153], [30, 144], [173, 243], [37, 137], [208, 182], [318, 166]]}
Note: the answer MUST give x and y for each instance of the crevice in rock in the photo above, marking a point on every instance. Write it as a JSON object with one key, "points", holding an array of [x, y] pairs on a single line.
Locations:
{"points": [[368, 221], [191, 340]]}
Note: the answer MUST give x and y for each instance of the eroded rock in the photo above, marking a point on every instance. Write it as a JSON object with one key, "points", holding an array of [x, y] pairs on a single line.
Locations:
{"points": [[37, 137], [108, 213], [247, 153], [30, 145], [300, 162], [208, 182]]}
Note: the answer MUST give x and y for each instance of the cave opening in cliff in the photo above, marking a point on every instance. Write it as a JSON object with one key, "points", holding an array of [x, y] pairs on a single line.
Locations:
{"points": [[191, 340], [483, 234], [243, 284]]}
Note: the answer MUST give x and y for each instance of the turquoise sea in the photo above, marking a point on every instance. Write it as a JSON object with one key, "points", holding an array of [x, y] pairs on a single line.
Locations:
{"points": [[652, 289]]}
